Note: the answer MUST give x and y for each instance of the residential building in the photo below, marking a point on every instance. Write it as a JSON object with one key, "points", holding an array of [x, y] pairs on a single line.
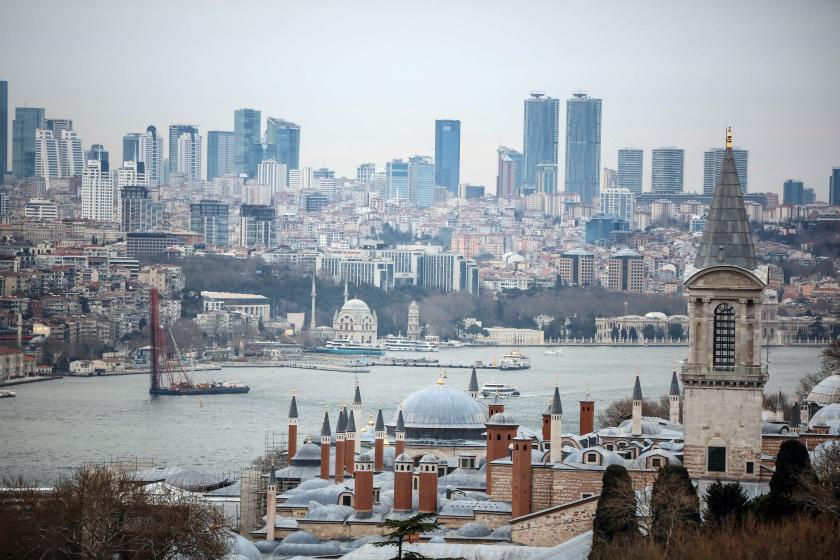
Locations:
{"points": [[175, 133], [210, 219], [713, 162], [793, 193], [40, 210], [4, 129], [421, 180], [189, 156], [583, 146], [834, 187], [447, 155], [220, 154], [148, 148], [398, 185], [618, 202], [546, 178], [626, 271], [511, 168], [667, 171], [58, 154], [27, 121], [365, 173], [97, 152], [257, 226], [138, 212], [630, 169], [98, 200], [273, 175], [282, 139], [540, 136], [248, 152], [577, 267]]}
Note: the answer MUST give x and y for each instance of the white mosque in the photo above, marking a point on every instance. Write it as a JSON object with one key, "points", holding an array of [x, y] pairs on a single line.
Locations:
{"points": [[354, 322]]}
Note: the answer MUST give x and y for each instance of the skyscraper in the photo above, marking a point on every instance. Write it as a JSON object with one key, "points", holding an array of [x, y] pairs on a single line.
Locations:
{"points": [[210, 218], [189, 155], [398, 186], [547, 178], [713, 162], [58, 155], [175, 132], [583, 146], [151, 150], [448, 154], [365, 173], [630, 166], [667, 171], [540, 134], [97, 152], [4, 128], [511, 169], [793, 192], [131, 147], [282, 142], [617, 202], [248, 149], [421, 180], [98, 202], [834, 187], [220, 153], [27, 121]]}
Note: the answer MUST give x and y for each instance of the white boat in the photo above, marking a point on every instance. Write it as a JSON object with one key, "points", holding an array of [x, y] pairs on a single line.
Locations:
{"points": [[554, 352], [4, 394], [514, 360], [402, 344], [500, 390]]}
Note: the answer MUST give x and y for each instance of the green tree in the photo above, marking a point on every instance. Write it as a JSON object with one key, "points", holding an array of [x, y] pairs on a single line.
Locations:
{"points": [[725, 503], [401, 529], [674, 505], [649, 332], [793, 474], [615, 516], [675, 331]]}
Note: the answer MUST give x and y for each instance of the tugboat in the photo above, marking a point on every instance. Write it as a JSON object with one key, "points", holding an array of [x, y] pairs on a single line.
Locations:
{"points": [[514, 360]]}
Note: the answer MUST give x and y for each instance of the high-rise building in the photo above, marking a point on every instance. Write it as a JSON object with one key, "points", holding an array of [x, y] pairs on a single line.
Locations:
{"points": [[630, 169], [4, 129], [365, 173], [27, 121], [541, 134], [618, 202], [547, 178], [97, 152], [609, 179], [809, 196], [151, 153], [98, 201], [834, 187], [175, 132], [189, 156], [398, 186], [131, 147], [220, 154], [273, 175], [667, 171], [137, 210], [58, 155], [282, 142], [257, 226], [793, 192], [511, 169], [448, 154], [583, 146], [577, 267], [626, 271], [421, 180], [210, 219], [713, 163], [248, 149], [46, 155]]}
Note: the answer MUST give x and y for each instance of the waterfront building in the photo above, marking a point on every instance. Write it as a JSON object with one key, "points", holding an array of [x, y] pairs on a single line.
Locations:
{"points": [[630, 169], [577, 267], [257, 226], [398, 184], [508, 336], [282, 142], [834, 187], [447, 155], [27, 121], [713, 162], [255, 305], [421, 180], [210, 219], [97, 193], [248, 152], [4, 129], [793, 193], [618, 202], [583, 146], [413, 326], [540, 136], [175, 133], [220, 154], [511, 169], [626, 272], [667, 171]]}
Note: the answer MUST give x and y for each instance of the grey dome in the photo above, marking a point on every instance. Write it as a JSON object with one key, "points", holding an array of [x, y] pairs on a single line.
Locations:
{"points": [[300, 537], [474, 529], [284, 550], [826, 391], [366, 457], [331, 512], [828, 415], [437, 539], [429, 458], [404, 458], [442, 406], [355, 305], [307, 454], [502, 419]]}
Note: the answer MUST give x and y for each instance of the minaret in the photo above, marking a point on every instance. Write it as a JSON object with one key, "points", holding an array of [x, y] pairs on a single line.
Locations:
{"points": [[270, 504], [357, 403], [780, 407], [674, 399], [399, 432], [473, 387], [346, 293], [350, 443], [379, 443], [326, 441], [313, 294], [293, 418], [340, 427], [636, 427], [556, 450]]}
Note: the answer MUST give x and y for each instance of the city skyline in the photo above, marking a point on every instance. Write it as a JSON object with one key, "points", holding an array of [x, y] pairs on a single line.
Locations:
{"points": [[758, 78]]}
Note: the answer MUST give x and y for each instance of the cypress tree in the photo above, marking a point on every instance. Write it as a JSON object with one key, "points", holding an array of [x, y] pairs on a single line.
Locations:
{"points": [[674, 504], [725, 503], [615, 517], [793, 472]]}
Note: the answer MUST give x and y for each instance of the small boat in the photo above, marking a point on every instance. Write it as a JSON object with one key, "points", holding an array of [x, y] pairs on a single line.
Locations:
{"points": [[402, 344], [4, 394], [349, 347], [514, 360], [500, 390], [554, 352]]}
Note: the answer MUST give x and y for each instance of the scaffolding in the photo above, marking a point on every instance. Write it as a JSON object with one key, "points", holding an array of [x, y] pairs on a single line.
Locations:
{"points": [[254, 479]]}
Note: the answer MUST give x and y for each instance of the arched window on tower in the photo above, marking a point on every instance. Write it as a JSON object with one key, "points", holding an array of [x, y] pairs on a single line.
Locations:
{"points": [[724, 341]]}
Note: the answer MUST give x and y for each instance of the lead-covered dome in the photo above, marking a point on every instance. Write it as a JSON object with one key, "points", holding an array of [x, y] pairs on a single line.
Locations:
{"points": [[355, 305], [442, 412], [826, 391], [828, 416]]}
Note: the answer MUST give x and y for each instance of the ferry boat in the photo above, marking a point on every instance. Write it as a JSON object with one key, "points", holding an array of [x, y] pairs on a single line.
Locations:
{"points": [[500, 390], [554, 352], [349, 347], [402, 344], [514, 360], [4, 394]]}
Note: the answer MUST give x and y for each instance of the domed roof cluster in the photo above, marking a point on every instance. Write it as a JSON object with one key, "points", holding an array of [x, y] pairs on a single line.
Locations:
{"points": [[442, 406], [829, 416], [826, 391]]}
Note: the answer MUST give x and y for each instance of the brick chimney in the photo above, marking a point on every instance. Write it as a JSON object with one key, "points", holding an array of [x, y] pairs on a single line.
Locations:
{"points": [[546, 423], [293, 418], [495, 407], [501, 429], [587, 415], [403, 473], [339, 445], [363, 470], [399, 446], [428, 484], [521, 482], [326, 441], [379, 443]]}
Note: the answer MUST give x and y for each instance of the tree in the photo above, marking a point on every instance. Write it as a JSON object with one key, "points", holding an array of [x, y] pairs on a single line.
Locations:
{"points": [[633, 334], [402, 529], [675, 331], [793, 474], [674, 504], [614, 333], [725, 503], [649, 332], [622, 409], [615, 516], [99, 514], [822, 494]]}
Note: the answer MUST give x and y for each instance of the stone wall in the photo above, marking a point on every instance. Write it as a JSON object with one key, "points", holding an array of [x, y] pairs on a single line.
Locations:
{"points": [[569, 485], [501, 481], [340, 530], [541, 485], [555, 525]]}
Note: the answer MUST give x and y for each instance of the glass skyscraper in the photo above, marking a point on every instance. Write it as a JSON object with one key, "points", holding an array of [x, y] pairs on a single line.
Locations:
{"points": [[583, 146], [398, 186], [421, 180], [210, 219], [667, 171], [27, 120], [630, 167], [246, 132], [282, 139], [448, 155], [541, 134], [793, 193], [834, 187], [713, 161], [175, 132], [131, 147], [220, 153], [4, 129]]}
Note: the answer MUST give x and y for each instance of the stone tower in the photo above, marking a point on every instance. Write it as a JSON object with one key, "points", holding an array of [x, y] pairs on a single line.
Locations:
{"points": [[413, 331], [723, 377]]}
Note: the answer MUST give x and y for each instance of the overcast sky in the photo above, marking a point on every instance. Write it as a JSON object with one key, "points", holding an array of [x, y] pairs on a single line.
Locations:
{"points": [[366, 80]]}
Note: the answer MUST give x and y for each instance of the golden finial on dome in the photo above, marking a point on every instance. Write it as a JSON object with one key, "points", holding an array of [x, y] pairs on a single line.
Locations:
{"points": [[728, 136]]}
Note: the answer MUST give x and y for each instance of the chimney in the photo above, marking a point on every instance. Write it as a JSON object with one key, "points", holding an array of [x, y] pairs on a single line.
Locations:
{"points": [[556, 450], [674, 399], [363, 470], [271, 504], [501, 429], [546, 423], [403, 472], [495, 407], [339, 445], [428, 484], [636, 425], [587, 414], [379, 443], [521, 483], [326, 440], [399, 447], [350, 443], [293, 417]]}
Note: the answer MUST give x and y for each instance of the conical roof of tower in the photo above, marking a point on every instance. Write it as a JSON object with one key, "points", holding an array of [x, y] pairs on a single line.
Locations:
{"points": [[675, 386], [380, 422], [357, 397], [556, 405], [325, 428], [473, 388], [727, 238], [400, 422], [637, 389], [341, 425], [351, 423], [293, 411]]}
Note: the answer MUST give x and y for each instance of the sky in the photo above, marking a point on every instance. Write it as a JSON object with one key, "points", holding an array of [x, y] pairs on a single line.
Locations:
{"points": [[366, 80]]}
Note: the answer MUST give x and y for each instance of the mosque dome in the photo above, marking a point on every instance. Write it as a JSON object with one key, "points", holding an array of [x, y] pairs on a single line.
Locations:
{"points": [[355, 305], [442, 412], [502, 419], [308, 454], [826, 391], [828, 415]]}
